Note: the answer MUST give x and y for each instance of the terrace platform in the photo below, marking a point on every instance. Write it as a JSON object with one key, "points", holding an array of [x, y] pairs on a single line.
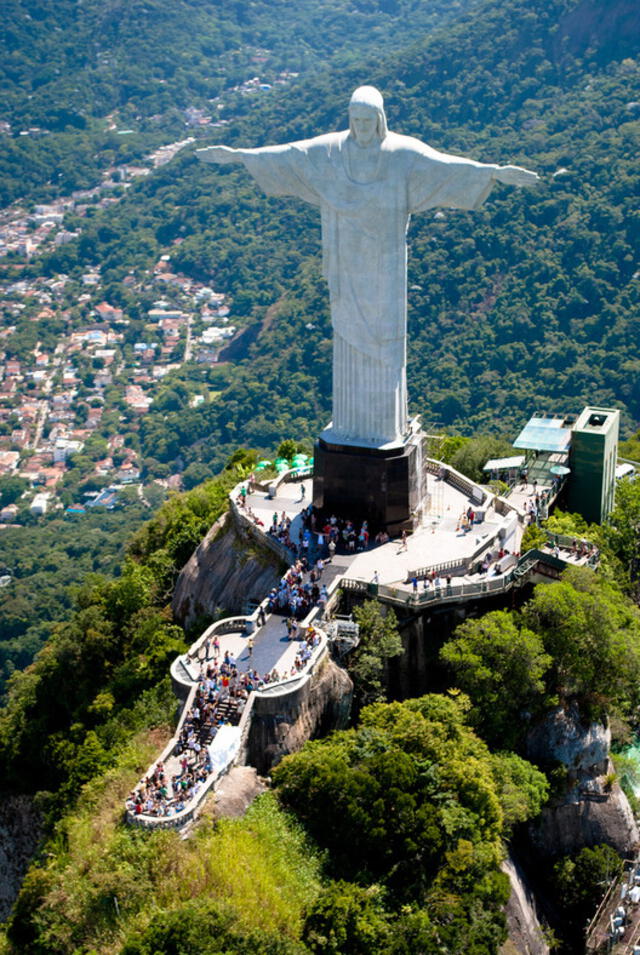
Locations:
{"points": [[438, 540]]}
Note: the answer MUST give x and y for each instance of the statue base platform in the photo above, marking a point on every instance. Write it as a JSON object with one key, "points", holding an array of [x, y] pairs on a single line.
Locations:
{"points": [[384, 486]]}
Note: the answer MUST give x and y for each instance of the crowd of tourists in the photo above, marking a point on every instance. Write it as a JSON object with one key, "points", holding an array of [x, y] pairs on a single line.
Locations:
{"points": [[279, 529], [220, 697], [320, 536], [164, 795], [317, 535], [334, 534], [221, 693], [300, 590]]}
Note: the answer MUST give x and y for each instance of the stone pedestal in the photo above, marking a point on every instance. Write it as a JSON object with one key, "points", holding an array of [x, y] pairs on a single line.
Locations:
{"points": [[383, 486]]}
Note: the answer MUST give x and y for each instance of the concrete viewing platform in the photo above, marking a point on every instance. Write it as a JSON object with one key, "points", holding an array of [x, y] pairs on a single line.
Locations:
{"points": [[440, 538], [456, 558]]}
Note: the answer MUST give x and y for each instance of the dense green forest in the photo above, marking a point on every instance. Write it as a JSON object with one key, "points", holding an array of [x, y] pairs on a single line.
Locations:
{"points": [[47, 563], [529, 304], [65, 68], [63, 64]]}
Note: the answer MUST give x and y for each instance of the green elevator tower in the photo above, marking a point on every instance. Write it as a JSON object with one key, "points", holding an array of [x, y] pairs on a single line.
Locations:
{"points": [[592, 459]]}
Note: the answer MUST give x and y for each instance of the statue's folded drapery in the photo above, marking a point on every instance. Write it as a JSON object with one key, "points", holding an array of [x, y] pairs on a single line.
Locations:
{"points": [[364, 228]]}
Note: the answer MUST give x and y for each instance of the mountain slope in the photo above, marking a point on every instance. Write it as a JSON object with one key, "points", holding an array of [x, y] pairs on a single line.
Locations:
{"points": [[72, 71], [530, 303]]}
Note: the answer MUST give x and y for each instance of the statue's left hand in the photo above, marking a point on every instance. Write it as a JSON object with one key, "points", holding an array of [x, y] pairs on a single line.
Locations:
{"points": [[218, 154], [516, 176]]}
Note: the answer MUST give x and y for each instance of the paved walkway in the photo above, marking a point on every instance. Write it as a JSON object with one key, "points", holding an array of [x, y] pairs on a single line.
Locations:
{"points": [[288, 500], [271, 648], [438, 540]]}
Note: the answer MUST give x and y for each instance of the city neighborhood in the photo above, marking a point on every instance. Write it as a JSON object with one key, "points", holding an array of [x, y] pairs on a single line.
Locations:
{"points": [[66, 387]]}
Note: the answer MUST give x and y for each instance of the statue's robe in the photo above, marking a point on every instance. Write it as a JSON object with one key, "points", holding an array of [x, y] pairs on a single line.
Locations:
{"points": [[364, 226]]}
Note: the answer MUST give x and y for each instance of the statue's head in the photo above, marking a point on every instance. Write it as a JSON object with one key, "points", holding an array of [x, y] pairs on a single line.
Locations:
{"points": [[366, 104]]}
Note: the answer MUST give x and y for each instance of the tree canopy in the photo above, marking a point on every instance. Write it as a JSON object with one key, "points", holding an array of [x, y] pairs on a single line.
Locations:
{"points": [[575, 639], [501, 664], [412, 800]]}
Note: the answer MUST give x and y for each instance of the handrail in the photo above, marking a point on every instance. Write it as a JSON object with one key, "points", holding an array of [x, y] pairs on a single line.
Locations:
{"points": [[180, 819], [626, 947], [291, 474], [540, 555], [465, 563], [422, 572], [182, 675], [316, 657], [502, 506], [454, 591], [564, 540], [245, 724], [445, 593], [456, 478]]}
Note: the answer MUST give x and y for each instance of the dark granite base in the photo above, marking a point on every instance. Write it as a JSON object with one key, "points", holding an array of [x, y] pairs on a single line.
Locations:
{"points": [[381, 487]]}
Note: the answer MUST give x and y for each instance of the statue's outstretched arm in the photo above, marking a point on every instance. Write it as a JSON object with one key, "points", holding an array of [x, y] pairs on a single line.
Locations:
{"points": [[515, 176], [220, 154]]}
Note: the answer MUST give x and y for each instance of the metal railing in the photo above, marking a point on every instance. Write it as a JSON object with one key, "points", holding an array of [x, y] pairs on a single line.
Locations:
{"points": [[598, 937], [447, 592], [463, 484], [462, 563], [443, 594]]}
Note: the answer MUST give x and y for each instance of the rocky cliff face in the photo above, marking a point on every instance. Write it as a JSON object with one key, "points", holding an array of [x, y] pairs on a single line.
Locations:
{"points": [[282, 724], [226, 571], [526, 935], [592, 809], [20, 831]]}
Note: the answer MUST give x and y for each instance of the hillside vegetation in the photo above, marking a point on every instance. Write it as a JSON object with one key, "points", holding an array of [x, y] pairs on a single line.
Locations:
{"points": [[96, 82], [410, 811], [387, 837], [529, 304]]}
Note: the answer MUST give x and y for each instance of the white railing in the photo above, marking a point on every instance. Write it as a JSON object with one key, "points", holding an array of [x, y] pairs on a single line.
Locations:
{"points": [[291, 474], [187, 680], [182, 674]]}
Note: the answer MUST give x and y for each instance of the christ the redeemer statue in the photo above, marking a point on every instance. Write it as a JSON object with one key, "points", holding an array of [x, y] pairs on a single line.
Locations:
{"points": [[367, 182]]}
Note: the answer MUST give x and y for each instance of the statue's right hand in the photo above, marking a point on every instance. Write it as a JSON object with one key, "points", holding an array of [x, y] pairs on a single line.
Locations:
{"points": [[217, 154]]}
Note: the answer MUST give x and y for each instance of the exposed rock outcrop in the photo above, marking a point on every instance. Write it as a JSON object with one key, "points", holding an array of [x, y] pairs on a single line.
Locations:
{"points": [[225, 571], [237, 790], [526, 936], [20, 832], [593, 808], [282, 723]]}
